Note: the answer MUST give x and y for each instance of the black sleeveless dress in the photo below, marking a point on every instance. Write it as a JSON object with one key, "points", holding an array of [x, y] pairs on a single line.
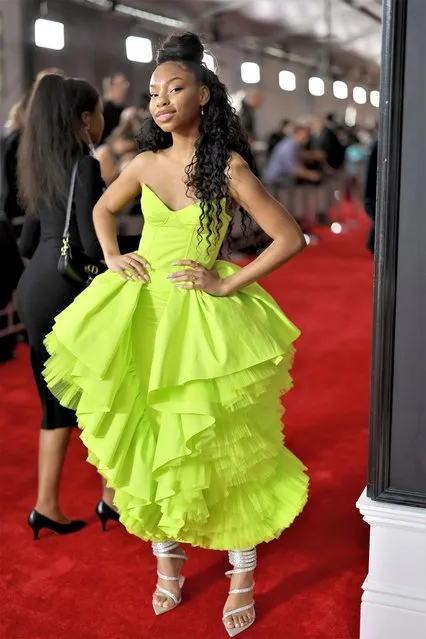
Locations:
{"points": [[42, 292]]}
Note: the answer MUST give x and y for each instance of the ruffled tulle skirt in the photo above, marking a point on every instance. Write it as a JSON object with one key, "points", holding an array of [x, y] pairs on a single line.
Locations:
{"points": [[177, 395]]}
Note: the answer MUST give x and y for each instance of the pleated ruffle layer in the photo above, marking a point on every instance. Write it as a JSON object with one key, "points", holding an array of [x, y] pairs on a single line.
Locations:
{"points": [[193, 446]]}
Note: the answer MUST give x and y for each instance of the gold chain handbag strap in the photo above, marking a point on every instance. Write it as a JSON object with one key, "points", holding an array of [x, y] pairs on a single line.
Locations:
{"points": [[66, 233]]}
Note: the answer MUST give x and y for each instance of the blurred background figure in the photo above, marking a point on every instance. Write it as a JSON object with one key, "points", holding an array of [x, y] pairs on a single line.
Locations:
{"points": [[285, 129], [119, 148], [250, 103], [140, 112], [113, 155], [10, 203], [49, 71], [330, 143], [285, 166], [115, 89], [355, 155], [370, 193]]}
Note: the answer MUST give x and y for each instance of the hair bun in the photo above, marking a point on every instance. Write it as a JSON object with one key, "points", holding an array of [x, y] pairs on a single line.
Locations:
{"points": [[185, 46]]}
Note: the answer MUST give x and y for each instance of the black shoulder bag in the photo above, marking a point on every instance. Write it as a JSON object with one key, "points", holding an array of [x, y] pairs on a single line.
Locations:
{"points": [[73, 263]]}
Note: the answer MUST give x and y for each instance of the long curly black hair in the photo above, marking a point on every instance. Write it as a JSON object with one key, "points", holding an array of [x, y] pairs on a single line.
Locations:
{"points": [[220, 134]]}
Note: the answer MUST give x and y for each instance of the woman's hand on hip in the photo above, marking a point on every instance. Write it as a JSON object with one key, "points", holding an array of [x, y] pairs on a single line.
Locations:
{"points": [[130, 266], [200, 278]]}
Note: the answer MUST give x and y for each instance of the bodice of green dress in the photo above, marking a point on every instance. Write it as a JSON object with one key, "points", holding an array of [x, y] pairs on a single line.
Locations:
{"points": [[169, 235]]}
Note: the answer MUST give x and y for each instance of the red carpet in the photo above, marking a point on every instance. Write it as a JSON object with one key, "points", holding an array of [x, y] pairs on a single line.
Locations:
{"points": [[92, 585]]}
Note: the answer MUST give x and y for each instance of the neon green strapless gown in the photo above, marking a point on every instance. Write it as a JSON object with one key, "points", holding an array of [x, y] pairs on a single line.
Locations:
{"points": [[178, 394]]}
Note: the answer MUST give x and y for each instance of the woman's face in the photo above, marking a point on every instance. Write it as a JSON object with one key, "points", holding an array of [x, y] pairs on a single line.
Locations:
{"points": [[94, 123], [176, 98]]}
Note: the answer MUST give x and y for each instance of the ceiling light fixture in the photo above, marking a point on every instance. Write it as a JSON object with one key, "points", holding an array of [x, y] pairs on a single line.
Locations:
{"points": [[360, 95], [150, 17], [49, 34], [340, 90], [250, 72], [138, 49], [316, 86], [287, 80]]}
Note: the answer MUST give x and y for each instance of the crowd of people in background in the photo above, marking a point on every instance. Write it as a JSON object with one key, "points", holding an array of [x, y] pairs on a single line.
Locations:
{"points": [[310, 151]]}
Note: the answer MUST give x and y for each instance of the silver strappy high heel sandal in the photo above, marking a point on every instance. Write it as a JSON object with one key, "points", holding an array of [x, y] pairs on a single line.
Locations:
{"points": [[163, 550], [243, 561]]}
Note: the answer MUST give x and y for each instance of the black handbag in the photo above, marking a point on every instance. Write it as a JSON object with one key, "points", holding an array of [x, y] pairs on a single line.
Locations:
{"points": [[73, 263]]}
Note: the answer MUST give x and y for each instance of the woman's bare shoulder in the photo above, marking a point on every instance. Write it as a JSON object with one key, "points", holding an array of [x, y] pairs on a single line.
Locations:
{"points": [[145, 160], [143, 164]]}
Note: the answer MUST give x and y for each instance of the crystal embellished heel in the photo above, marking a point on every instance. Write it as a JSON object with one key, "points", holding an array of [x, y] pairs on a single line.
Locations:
{"points": [[242, 561], [163, 551]]}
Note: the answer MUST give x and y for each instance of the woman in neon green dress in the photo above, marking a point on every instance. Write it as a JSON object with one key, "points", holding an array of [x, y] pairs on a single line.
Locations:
{"points": [[175, 361]]}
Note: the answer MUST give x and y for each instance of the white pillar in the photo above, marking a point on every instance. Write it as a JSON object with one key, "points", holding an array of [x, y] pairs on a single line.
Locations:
{"points": [[394, 599]]}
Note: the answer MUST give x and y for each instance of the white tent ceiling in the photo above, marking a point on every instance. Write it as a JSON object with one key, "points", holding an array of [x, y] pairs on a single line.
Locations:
{"points": [[345, 32]]}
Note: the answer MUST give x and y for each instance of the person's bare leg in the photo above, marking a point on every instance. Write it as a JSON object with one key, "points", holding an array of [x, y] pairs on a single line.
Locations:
{"points": [[240, 600], [108, 494], [52, 449], [170, 558]]}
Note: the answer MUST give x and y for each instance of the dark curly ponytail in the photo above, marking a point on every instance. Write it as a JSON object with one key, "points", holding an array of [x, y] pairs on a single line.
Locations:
{"points": [[220, 134]]}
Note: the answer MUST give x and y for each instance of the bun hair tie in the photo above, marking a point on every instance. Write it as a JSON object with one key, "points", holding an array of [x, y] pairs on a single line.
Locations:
{"points": [[185, 47]]}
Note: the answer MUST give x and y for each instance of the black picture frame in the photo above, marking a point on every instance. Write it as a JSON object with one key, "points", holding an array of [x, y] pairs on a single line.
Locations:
{"points": [[394, 40]]}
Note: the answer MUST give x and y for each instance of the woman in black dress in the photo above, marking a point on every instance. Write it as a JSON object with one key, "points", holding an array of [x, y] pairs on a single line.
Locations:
{"points": [[64, 120]]}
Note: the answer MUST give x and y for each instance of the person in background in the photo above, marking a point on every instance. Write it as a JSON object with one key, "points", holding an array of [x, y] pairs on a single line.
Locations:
{"points": [[130, 225], [116, 88], [285, 165], [370, 189], [143, 107], [9, 200], [313, 156], [64, 118], [49, 71], [118, 149], [251, 102], [354, 161], [331, 145], [284, 131], [140, 112]]}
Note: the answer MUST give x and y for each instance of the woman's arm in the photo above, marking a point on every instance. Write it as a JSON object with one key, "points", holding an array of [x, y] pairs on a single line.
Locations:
{"points": [[110, 170], [273, 219], [122, 191], [88, 189], [30, 236]]}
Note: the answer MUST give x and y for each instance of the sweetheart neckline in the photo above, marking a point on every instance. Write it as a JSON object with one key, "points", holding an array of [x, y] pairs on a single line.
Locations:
{"points": [[175, 211]]}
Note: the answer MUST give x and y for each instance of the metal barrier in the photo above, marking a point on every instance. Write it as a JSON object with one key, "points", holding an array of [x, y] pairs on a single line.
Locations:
{"points": [[311, 204]]}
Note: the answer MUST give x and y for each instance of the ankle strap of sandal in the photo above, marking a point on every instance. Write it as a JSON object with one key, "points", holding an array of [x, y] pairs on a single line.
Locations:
{"points": [[242, 561], [163, 550]]}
